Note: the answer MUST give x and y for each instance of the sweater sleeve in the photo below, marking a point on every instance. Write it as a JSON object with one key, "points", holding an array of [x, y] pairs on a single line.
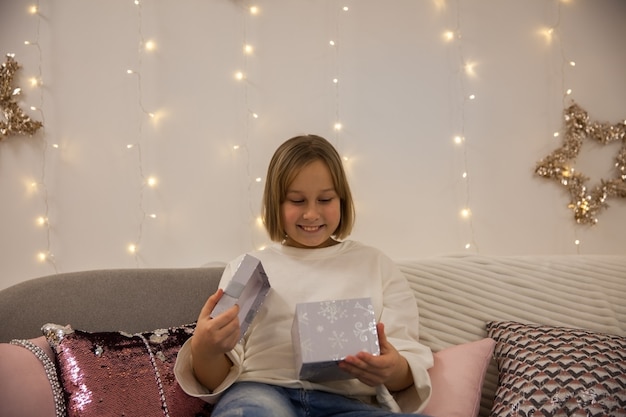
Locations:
{"points": [[183, 370], [401, 318]]}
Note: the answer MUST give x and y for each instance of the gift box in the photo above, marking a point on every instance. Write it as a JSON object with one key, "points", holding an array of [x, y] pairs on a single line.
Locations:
{"points": [[325, 332], [248, 287]]}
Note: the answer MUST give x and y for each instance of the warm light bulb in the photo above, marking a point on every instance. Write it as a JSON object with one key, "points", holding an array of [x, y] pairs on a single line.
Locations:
{"points": [[569, 91], [555, 134], [258, 179], [467, 246], [130, 71], [150, 46], [464, 175], [239, 75], [345, 8], [152, 181], [572, 63], [458, 140], [469, 69], [254, 10], [577, 242], [332, 43], [33, 10], [34, 82], [235, 147], [248, 49], [547, 34], [41, 221], [465, 213], [472, 96], [448, 35], [338, 126], [152, 216], [42, 256], [132, 248], [254, 115], [335, 80]]}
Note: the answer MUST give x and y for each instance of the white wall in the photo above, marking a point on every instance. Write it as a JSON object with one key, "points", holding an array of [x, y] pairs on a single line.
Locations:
{"points": [[401, 98]]}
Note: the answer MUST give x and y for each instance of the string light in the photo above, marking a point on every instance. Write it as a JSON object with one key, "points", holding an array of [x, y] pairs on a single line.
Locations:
{"points": [[150, 45], [468, 70], [550, 36], [334, 43], [251, 115], [39, 186], [144, 46]]}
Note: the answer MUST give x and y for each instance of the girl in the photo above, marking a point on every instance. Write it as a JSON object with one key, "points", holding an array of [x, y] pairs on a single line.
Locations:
{"points": [[308, 211]]}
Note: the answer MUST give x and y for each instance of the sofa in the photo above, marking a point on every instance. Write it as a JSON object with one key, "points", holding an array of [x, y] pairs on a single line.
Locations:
{"points": [[511, 335]]}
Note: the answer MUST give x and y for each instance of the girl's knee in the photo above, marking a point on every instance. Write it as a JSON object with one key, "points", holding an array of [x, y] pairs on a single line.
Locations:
{"points": [[253, 399]]}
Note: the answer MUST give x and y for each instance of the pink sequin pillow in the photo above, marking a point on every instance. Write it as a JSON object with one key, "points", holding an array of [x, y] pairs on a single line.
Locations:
{"points": [[113, 373]]}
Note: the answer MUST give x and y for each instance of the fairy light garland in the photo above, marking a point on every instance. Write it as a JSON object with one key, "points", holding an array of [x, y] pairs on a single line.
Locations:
{"points": [[335, 43], [143, 47], [241, 76], [558, 166], [467, 69], [40, 185]]}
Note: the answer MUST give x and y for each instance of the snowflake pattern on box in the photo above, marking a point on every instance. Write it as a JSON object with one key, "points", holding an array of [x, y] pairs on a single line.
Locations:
{"points": [[326, 332]]}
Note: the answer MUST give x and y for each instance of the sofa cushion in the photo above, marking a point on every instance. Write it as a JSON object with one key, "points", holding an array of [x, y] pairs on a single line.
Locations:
{"points": [[115, 373], [25, 389], [457, 379], [558, 371]]}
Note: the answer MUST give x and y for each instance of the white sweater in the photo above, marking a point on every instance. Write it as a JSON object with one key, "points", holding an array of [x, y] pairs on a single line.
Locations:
{"points": [[346, 270]]}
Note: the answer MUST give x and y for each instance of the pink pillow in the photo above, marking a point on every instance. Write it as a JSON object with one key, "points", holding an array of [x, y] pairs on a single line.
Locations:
{"points": [[27, 392], [457, 378]]}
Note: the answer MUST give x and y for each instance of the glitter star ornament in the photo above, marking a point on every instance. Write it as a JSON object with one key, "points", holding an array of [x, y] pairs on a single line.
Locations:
{"points": [[17, 122], [558, 166]]}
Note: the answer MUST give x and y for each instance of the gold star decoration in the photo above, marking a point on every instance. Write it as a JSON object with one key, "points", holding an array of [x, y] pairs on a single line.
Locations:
{"points": [[558, 166], [17, 123]]}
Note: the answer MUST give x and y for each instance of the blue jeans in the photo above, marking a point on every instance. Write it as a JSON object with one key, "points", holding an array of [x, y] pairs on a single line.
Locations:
{"points": [[253, 399]]}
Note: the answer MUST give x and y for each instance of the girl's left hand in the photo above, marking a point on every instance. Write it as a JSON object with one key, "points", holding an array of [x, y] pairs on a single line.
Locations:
{"points": [[390, 368]]}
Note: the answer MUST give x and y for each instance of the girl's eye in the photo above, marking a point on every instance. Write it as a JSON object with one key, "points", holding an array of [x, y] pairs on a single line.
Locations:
{"points": [[296, 201], [325, 200]]}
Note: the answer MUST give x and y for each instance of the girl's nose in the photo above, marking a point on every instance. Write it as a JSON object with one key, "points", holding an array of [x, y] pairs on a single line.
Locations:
{"points": [[311, 212]]}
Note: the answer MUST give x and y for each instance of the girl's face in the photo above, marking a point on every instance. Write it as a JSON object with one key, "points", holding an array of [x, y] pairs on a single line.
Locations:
{"points": [[312, 210]]}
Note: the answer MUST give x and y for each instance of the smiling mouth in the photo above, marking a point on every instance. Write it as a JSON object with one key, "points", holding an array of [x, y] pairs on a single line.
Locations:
{"points": [[311, 228]]}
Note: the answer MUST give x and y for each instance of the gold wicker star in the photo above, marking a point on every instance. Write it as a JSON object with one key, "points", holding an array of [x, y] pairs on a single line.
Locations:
{"points": [[17, 123], [559, 164]]}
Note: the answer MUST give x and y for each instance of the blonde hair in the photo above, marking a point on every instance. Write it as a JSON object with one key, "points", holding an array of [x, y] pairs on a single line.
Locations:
{"points": [[287, 161]]}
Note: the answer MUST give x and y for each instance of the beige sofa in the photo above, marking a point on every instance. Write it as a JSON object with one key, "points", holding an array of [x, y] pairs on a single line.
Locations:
{"points": [[457, 297]]}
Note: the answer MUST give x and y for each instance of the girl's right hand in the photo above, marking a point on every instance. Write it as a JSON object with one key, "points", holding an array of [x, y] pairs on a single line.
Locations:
{"points": [[215, 336], [211, 340]]}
